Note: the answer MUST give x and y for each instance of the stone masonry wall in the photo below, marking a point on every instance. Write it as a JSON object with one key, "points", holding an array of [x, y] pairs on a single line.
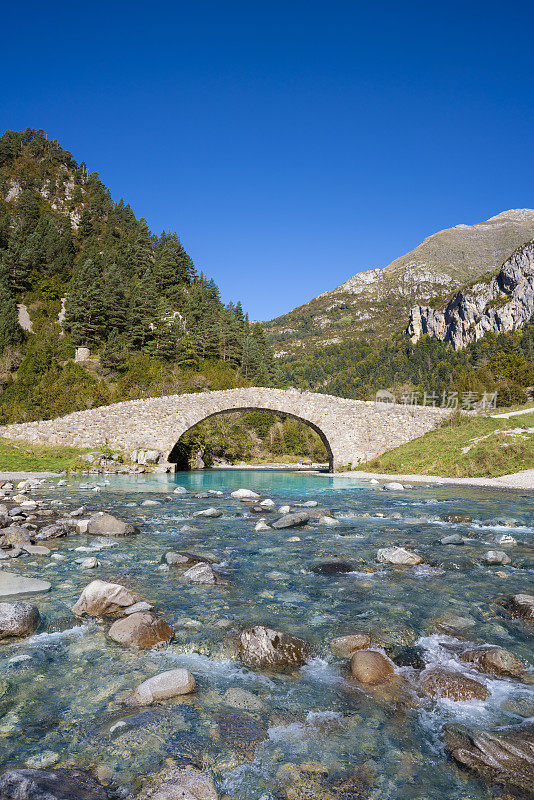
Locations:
{"points": [[353, 430]]}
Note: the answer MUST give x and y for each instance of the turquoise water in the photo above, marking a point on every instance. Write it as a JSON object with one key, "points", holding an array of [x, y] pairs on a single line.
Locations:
{"points": [[315, 731]]}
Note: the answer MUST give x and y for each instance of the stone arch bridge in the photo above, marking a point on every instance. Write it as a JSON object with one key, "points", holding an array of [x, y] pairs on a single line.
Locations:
{"points": [[352, 430]]}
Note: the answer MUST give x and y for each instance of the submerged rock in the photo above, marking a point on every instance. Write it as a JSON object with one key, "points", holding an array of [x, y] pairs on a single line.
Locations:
{"points": [[495, 661], [269, 649], [143, 629], [438, 682], [328, 521], [505, 756], [371, 667], [167, 684], [454, 538], [103, 524], [398, 556], [345, 646], [100, 598], [18, 619], [54, 784], [332, 568], [242, 699], [292, 520], [186, 783]]}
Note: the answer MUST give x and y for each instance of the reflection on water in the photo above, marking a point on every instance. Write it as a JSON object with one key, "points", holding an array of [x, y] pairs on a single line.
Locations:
{"points": [[61, 694]]}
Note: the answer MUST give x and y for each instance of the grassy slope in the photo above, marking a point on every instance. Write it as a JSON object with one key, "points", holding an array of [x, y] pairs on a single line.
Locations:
{"points": [[440, 451], [16, 456]]}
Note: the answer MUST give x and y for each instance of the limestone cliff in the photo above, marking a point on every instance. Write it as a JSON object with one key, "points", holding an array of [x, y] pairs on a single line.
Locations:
{"points": [[500, 303]]}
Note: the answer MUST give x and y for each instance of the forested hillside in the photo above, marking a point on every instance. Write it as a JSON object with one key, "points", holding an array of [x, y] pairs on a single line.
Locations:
{"points": [[90, 273], [502, 363]]}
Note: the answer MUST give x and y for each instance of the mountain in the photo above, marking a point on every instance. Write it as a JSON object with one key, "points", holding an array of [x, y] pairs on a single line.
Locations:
{"points": [[376, 303], [504, 302]]}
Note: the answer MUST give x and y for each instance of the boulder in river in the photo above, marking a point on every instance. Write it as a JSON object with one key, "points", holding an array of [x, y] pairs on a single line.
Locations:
{"points": [[495, 661], [497, 557], [393, 486], [15, 536], [208, 512], [52, 784], [292, 520], [522, 605], [345, 646], [398, 556], [55, 531], [100, 598], [143, 629], [439, 683], [455, 518], [103, 524], [244, 494], [200, 573], [18, 619], [167, 684], [371, 667], [505, 756], [269, 649]]}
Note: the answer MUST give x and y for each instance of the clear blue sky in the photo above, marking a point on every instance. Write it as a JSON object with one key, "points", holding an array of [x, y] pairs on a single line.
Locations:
{"points": [[290, 144]]}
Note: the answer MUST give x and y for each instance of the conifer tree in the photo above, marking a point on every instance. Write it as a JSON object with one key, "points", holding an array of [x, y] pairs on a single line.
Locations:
{"points": [[11, 334], [142, 312], [114, 298], [85, 318], [114, 355]]}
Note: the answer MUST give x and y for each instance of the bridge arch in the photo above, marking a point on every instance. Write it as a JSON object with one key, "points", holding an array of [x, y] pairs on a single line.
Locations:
{"points": [[352, 430], [171, 456]]}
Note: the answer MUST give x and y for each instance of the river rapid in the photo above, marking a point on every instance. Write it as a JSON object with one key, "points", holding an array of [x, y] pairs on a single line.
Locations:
{"points": [[311, 731]]}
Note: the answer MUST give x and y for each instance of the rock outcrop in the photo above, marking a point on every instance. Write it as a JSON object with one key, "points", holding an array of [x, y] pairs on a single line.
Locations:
{"points": [[504, 302]]}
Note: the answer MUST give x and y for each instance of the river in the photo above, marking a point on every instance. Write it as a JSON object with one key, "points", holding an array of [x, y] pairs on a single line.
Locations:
{"points": [[61, 693]]}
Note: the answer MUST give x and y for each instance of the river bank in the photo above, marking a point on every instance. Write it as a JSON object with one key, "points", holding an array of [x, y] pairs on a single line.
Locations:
{"points": [[517, 480]]}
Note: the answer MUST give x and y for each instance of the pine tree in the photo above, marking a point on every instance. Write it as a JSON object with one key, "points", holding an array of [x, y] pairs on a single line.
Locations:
{"points": [[114, 298], [142, 312], [85, 318], [114, 355], [11, 334]]}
